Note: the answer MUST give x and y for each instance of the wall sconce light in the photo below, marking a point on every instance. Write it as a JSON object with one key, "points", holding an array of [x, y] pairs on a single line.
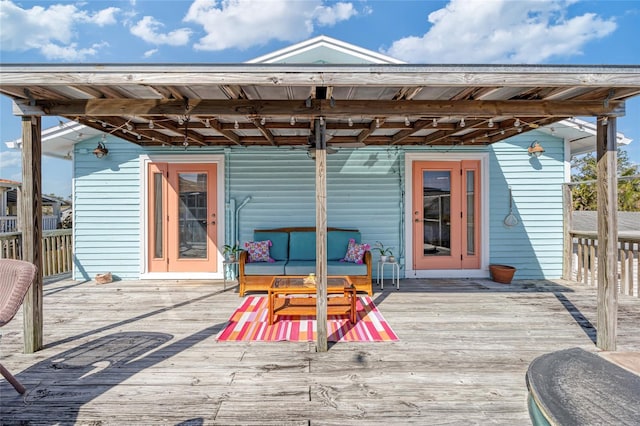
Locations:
{"points": [[535, 149], [101, 150]]}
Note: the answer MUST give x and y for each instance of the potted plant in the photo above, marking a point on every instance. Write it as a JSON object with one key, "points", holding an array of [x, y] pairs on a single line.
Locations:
{"points": [[231, 251], [385, 253]]}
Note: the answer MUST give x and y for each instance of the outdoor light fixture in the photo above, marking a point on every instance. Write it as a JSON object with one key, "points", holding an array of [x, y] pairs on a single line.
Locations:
{"points": [[535, 149], [101, 151]]}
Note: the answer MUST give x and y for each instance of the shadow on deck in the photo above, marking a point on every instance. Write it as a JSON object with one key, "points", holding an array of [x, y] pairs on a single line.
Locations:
{"points": [[145, 352]]}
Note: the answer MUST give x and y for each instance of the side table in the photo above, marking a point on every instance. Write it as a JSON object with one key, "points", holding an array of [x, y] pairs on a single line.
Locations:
{"points": [[229, 268], [395, 274]]}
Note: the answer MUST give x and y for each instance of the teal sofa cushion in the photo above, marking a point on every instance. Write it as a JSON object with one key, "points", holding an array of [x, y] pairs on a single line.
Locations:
{"points": [[279, 249], [335, 267], [302, 245], [338, 241], [265, 268], [300, 267]]}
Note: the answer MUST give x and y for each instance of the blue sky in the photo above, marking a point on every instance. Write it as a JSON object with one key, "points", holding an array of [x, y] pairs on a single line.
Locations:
{"points": [[210, 31]]}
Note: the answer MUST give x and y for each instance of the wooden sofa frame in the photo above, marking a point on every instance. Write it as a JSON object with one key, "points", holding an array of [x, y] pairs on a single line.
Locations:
{"points": [[262, 282]]}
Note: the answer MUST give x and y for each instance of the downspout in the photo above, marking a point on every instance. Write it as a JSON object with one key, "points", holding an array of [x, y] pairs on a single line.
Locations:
{"points": [[237, 217]]}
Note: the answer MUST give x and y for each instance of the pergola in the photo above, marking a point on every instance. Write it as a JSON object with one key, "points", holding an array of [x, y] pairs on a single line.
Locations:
{"points": [[320, 107]]}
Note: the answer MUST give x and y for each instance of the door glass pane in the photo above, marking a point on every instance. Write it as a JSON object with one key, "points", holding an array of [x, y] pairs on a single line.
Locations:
{"points": [[158, 215], [471, 217], [437, 213], [192, 215]]}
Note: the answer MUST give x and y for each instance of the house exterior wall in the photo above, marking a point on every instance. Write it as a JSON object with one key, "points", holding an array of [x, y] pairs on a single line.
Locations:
{"points": [[365, 191], [534, 245], [106, 210]]}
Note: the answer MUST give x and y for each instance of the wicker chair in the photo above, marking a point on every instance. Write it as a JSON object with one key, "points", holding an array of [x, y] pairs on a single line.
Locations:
{"points": [[16, 276]]}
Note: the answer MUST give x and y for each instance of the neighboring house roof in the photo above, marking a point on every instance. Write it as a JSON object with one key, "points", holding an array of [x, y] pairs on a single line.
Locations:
{"points": [[587, 221], [46, 200], [6, 183]]}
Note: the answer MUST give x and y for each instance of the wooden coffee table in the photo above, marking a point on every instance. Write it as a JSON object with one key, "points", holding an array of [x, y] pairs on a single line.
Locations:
{"points": [[286, 297]]}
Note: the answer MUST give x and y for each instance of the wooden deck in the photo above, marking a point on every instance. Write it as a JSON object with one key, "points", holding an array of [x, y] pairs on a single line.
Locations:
{"points": [[145, 352]]}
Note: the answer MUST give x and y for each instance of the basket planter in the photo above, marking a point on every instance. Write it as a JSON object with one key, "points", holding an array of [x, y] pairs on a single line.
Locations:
{"points": [[502, 273], [104, 278]]}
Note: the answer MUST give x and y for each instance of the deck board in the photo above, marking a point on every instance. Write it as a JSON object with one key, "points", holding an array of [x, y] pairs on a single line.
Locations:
{"points": [[145, 352]]}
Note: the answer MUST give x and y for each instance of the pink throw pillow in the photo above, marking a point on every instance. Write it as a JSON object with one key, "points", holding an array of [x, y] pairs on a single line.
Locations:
{"points": [[355, 252], [258, 251]]}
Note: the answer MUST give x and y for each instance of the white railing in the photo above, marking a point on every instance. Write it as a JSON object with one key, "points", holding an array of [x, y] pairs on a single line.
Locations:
{"points": [[10, 223], [585, 262]]}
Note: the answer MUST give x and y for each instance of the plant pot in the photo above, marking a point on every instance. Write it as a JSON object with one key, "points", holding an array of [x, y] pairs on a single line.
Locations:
{"points": [[383, 258], [502, 273], [232, 258], [391, 259]]}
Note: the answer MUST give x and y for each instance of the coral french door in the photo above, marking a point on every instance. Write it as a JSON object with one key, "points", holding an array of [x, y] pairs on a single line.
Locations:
{"points": [[182, 217], [446, 214]]}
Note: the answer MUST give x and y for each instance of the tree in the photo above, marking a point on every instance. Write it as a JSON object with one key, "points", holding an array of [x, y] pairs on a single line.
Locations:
{"points": [[585, 169]]}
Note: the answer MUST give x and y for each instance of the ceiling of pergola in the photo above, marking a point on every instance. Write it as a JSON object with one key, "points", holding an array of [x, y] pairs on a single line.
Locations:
{"points": [[260, 105]]}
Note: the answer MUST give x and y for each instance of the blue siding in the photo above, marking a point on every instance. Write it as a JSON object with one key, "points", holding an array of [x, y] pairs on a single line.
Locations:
{"points": [[362, 193], [365, 190], [534, 246], [106, 209]]}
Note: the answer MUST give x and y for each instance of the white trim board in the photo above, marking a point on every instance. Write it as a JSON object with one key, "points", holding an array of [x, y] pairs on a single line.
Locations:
{"points": [[483, 272]]}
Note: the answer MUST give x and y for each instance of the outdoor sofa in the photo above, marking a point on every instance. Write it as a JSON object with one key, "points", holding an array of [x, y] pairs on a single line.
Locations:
{"points": [[293, 252]]}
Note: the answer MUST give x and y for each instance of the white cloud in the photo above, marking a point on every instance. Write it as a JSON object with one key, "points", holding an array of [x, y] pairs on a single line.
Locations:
{"points": [[148, 30], [104, 17], [501, 31], [245, 23], [150, 53], [50, 30], [10, 159], [328, 16], [70, 52]]}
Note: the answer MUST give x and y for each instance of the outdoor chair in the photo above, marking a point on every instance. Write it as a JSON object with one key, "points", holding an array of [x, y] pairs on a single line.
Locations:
{"points": [[16, 276]]}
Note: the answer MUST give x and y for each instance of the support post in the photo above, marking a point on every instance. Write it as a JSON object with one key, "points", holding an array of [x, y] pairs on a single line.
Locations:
{"points": [[567, 262], [607, 197], [321, 237], [31, 219]]}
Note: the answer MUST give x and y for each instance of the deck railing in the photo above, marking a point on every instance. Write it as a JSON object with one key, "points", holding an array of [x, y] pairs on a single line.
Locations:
{"points": [[57, 250], [584, 262], [10, 223]]}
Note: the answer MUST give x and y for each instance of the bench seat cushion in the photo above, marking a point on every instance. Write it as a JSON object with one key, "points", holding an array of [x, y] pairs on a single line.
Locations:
{"points": [[335, 267], [265, 268], [300, 267]]}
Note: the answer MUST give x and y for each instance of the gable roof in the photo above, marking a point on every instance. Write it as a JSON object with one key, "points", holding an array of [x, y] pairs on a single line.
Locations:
{"points": [[324, 50]]}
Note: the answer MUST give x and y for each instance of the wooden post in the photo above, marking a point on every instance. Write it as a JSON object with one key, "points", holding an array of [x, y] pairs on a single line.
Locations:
{"points": [[321, 237], [567, 262], [607, 234], [31, 220]]}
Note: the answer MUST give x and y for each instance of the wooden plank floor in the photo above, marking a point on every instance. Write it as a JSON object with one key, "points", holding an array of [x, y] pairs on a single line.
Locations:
{"points": [[145, 352]]}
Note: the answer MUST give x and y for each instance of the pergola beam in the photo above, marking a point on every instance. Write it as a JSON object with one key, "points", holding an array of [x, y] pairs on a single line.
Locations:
{"points": [[342, 108]]}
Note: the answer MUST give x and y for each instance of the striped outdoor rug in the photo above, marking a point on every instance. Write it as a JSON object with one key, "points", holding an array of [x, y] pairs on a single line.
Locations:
{"points": [[249, 322]]}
